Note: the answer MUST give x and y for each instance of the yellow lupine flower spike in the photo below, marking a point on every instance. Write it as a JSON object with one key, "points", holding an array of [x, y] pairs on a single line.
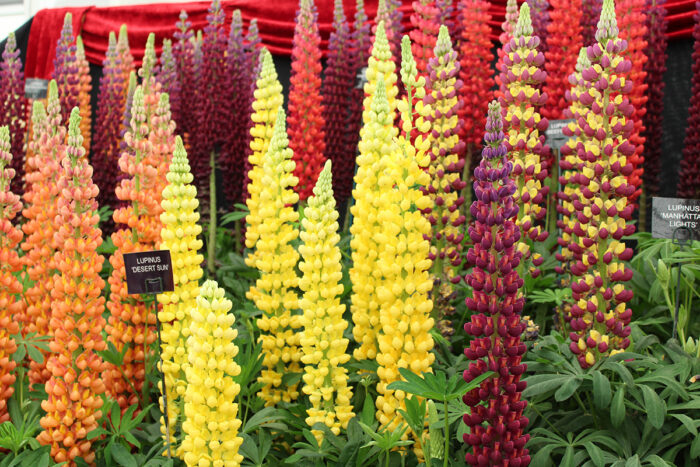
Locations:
{"points": [[276, 259], [179, 235], [322, 342], [211, 425]]}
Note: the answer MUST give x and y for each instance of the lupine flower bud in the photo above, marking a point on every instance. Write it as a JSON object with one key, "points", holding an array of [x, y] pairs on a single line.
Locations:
{"points": [[211, 416], [84, 90], [445, 167], [179, 235], [322, 342], [11, 305], [599, 311], [689, 174], [15, 108], [523, 76], [41, 212], [496, 421], [75, 387], [389, 13], [268, 100], [378, 128], [274, 292], [66, 69]]}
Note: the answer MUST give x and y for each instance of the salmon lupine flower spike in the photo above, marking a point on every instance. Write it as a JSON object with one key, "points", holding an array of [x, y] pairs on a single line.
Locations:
{"points": [[377, 129], [600, 316], [268, 100], [524, 129], [211, 424], [306, 123], [425, 20], [11, 304], [274, 292], [131, 323], [66, 69], [84, 90], [15, 108], [564, 40], [689, 173], [570, 165], [633, 29], [179, 235], [445, 186], [322, 343], [496, 420], [41, 214], [404, 339], [75, 387]]}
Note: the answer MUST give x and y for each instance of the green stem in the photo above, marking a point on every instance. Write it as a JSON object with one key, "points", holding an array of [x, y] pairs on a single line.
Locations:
{"points": [[211, 244], [386, 462], [447, 434]]}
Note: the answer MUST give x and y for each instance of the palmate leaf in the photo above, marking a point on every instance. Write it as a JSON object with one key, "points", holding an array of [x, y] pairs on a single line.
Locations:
{"points": [[435, 385]]}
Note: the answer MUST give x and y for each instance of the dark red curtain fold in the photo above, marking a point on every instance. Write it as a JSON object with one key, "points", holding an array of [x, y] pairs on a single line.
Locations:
{"points": [[275, 20]]}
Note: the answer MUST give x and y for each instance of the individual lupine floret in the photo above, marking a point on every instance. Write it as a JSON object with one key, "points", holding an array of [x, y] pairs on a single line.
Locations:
{"points": [[564, 40], [211, 425], [11, 306], [378, 128], [75, 387], [600, 316], [653, 118], [168, 78], [475, 58], [306, 123], [322, 343], [274, 292], [689, 173], [425, 20], [496, 421], [633, 29], [344, 170], [15, 108], [66, 69], [84, 90], [525, 134], [508, 27], [541, 18], [445, 186], [179, 235], [268, 100], [41, 210], [338, 84]]}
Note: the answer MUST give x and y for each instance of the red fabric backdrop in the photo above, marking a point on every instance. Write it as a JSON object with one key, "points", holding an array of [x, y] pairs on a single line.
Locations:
{"points": [[275, 20]]}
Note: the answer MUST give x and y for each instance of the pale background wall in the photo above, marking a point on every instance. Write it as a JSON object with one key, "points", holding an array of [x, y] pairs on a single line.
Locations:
{"points": [[13, 13]]}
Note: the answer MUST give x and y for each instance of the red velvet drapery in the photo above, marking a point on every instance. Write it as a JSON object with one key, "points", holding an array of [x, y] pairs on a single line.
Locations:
{"points": [[275, 20]]}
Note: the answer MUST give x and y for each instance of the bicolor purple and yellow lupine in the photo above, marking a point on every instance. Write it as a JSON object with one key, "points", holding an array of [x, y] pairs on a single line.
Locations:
{"points": [[268, 100], [323, 346], [600, 316], [66, 70], [179, 234], [445, 186], [74, 390], [523, 76], [211, 424], [508, 26], [376, 131], [570, 165], [541, 18], [274, 292], [42, 222], [14, 106], [496, 421], [11, 306], [84, 90]]}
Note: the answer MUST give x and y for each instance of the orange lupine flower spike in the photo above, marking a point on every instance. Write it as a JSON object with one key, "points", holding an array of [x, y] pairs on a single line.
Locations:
{"points": [[84, 90], [74, 389], [40, 212], [11, 305]]}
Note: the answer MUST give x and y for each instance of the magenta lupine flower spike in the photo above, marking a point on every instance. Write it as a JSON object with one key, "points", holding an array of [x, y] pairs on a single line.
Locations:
{"points": [[689, 174], [446, 13], [14, 106], [600, 316], [65, 70], [337, 87], [496, 421], [523, 76], [539, 13], [344, 172], [169, 80], [655, 69], [305, 120], [425, 20]]}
